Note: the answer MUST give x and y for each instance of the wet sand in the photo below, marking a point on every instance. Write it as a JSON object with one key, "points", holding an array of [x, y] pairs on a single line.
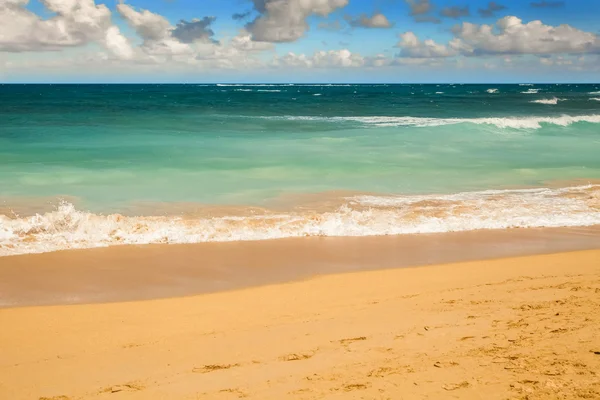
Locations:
{"points": [[512, 328], [126, 273]]}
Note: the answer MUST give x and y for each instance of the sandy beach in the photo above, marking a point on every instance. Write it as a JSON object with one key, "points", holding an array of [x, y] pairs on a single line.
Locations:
{"points": [[513, 328]]}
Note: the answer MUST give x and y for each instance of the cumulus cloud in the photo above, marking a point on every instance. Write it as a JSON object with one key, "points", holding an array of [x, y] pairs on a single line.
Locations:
{"points": [[377, 20], [491, 9], [456, 12], [74, 23], [118, 44], [159, 37], [197, 29], [243, 42], [321, 59], [189, 43], [512, 36], [286, 20], [412, 47], [155, 30]]}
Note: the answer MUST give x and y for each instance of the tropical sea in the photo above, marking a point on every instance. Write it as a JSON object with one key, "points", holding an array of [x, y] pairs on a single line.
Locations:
{"points": [[97, 165]]}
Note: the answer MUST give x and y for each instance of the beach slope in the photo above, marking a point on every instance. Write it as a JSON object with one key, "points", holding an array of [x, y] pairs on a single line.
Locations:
{"points": [[523, 328]]}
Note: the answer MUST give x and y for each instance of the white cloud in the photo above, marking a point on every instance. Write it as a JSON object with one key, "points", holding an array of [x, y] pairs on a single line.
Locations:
{"points": [[75, 23], [515, 37], [377, 20], [379, 60], [155, 31], [321, 59], [195, 30], [285, 20], [412, 47], [243, 42], [118, 44]]}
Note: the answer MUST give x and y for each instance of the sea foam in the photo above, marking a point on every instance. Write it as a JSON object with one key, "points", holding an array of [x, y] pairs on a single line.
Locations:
{"points": [[552, 101], [532, 122], [69, 228]]}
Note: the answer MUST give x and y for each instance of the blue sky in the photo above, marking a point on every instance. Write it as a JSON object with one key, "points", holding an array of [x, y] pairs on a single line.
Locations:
{"points": [[294, 40]]}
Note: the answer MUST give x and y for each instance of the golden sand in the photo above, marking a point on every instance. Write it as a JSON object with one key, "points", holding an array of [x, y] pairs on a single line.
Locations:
{"points": [[514, 328]]}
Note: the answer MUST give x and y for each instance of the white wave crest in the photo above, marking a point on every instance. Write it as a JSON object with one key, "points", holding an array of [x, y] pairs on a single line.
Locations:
{"points": [[552, 101], [531, 91], [514, 122], [243, 90], [595, 98], [525, 84], [598, 92], [68, 228], [492, 90], [269, 90], [532, 122]]}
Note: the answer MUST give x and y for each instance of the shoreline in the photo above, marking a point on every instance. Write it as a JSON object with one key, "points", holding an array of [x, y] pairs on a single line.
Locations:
{"points": [[130, 273], [328, 214], [506, 328]]}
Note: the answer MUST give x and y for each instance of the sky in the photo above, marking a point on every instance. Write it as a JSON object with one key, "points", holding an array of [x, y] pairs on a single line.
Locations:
{"points": [[368, 41]]}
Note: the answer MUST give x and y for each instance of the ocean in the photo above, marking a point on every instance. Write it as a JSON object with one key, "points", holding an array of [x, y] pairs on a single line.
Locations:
{"points": [[97, 165]]}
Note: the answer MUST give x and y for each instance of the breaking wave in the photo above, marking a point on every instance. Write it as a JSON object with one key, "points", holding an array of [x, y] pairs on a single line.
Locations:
{"points": [[531, 91], [532, 122], [492, 90], [364, 215], [552, 101]]}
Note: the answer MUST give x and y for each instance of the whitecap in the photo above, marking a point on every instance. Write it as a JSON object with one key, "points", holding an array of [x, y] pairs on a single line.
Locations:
{"points": [[552, 101], [69, 228], [531, 122], [531, 91]]}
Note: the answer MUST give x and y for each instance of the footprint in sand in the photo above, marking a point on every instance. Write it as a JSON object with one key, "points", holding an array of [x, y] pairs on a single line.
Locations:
{"points": [[295, 357], [55, 398], [355, 386], [214, 367], [456, 386], [352, 340], [126, 387]]}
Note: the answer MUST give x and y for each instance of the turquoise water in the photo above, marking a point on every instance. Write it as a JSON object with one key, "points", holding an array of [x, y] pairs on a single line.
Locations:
{"points": [[107, 148]]}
